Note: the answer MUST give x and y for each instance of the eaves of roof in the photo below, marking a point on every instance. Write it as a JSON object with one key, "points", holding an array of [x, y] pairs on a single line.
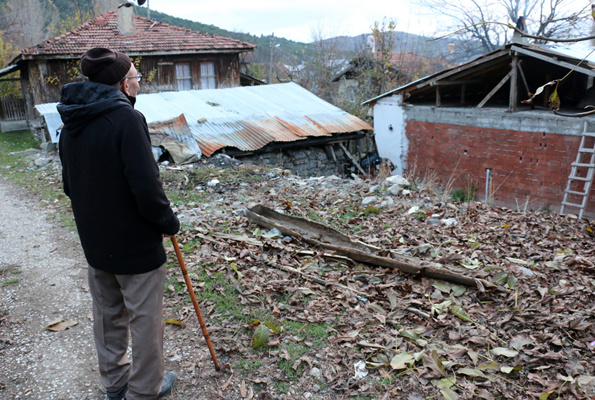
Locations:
{"points": [[149, 38], [557, 56]]}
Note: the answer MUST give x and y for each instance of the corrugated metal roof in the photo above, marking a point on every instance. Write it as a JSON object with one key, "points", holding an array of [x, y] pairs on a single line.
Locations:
{"points": [[247, 118]]}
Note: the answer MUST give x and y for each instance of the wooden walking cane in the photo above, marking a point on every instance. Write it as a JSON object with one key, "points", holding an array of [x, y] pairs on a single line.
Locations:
{"points": [[194, 302]]}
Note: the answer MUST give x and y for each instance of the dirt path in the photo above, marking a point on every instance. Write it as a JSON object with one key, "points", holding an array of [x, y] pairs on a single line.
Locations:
{"points": [[37, 363], [49, 265]]}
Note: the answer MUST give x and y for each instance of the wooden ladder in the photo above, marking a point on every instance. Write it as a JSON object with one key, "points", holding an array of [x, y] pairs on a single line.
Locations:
{"points": [[583, 170]]}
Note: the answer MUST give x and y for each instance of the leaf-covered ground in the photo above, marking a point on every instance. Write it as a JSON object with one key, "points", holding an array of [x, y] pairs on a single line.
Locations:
{"points": [[349, 330]]}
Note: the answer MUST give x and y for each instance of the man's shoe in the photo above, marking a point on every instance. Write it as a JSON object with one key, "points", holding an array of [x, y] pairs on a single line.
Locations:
{"points": [[119, 395], [169, 380]]}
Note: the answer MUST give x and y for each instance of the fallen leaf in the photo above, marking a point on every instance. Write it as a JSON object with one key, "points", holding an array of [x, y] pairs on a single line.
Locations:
{"points": [[243, 391], [458, 311], [449, 394], [60, 325], [261, 336], [226, 384], [475, 373], [400, 361], [502, 351]]}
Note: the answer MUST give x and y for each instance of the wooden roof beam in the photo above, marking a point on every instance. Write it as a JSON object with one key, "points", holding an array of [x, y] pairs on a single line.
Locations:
{"points": [[554, 61], [460, 68], [494, 90], [461, 82]]}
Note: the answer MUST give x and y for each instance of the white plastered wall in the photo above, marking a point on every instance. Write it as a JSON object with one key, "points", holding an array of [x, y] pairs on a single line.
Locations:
{"points": [[389, 130]]}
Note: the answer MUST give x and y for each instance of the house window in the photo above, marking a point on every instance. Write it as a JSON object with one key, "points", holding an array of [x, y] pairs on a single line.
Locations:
{"points": [[183, 77], [208, 80]]}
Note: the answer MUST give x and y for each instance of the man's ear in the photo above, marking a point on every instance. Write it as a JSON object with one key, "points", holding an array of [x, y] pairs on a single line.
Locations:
{"points": [[125, 87]]}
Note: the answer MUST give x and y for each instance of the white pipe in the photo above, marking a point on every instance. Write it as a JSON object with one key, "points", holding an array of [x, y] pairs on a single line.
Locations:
{"points": [[488, 172]]}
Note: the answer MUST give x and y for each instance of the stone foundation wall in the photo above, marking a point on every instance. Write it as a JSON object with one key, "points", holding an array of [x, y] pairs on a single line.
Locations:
{"points": [[305, 162]]}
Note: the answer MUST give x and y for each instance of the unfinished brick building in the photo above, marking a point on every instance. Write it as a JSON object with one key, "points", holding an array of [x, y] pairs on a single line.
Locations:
{"points": [[467, 125]]}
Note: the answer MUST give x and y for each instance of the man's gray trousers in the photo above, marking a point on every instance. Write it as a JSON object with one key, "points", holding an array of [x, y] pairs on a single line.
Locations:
{"points": [[122, 303]]}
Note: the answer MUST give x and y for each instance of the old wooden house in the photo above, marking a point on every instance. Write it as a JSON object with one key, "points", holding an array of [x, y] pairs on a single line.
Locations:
{"points": [[169, 58]]}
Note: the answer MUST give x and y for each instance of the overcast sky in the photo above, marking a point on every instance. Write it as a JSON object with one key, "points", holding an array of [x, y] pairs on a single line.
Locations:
{"points": [[297, 20]]}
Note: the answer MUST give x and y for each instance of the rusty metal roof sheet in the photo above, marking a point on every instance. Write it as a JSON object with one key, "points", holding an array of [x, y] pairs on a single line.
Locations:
{"points": [[249, 118]]}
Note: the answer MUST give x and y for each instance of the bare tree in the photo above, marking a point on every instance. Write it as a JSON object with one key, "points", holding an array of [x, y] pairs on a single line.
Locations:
{"points": [[320, 70], [25, 23], [547, 18], [104, 6]]}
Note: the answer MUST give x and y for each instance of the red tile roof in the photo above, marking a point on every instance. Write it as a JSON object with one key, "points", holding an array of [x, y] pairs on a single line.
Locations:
{"points": [[149, 38]]}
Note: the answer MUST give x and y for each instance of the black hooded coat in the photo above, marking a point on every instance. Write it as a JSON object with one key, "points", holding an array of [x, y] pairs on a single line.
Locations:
{"points": [[112, 179]]}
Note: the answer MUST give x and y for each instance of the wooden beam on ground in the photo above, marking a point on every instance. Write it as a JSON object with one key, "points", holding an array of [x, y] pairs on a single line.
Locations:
{"points": [[322, 236], [494, 90]]}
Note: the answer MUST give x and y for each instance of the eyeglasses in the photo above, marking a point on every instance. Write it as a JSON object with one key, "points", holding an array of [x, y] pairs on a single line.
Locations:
{"points": [[137, 77]]}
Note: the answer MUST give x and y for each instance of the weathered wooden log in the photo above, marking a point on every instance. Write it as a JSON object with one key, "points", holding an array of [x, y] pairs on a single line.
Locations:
{"points": [[323, 236]]}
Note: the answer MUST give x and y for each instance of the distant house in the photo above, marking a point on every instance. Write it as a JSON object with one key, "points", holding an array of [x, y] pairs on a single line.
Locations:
{"points": [[398, 67], [468, 125], [169, 58]]}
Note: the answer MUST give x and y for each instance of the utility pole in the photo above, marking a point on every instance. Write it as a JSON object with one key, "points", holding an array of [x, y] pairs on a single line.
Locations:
{"points": [[148, 10], [271, 60]]}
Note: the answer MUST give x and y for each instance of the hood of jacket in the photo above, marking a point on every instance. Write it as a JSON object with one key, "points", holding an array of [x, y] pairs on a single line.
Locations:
{"points": [[82, 102]]}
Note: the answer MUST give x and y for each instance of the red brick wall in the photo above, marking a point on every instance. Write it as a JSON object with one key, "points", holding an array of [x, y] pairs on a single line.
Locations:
{"points": [[524, 165]]}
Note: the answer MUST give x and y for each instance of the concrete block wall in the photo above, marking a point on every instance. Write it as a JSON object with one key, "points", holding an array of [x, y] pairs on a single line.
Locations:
{"points": [[525, 166]]}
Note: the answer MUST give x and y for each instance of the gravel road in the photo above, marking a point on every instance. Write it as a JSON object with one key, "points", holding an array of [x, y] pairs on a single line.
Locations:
{"points": [[51, 272]]}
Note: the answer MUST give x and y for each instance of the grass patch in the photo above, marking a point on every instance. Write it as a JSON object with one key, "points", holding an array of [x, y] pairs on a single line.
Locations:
{"points": [[312, 216], [12, 281], [281, 387], [183, 197], [219, 290], [202, 175], [191, 245], [46, 183], [15, 141], [173, 286], [315, 336], [172, 265], [464, 195], [248, 366]]}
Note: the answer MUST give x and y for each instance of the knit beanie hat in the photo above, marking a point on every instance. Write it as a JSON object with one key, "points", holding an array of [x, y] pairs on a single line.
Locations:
{"points": [[105, 66]]}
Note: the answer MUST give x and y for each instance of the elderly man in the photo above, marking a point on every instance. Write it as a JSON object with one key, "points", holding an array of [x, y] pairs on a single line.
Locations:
{"points": [[121, 213]]}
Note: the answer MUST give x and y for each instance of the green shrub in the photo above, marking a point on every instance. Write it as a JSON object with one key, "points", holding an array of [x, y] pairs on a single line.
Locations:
{"points": [[462, 195]]}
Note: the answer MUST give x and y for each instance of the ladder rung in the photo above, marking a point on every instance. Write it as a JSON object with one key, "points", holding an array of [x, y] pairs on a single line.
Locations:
{"points": [[586, 150], [574, 164], [590, 134], [578, 178], [575, 192], [572, 204]]}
